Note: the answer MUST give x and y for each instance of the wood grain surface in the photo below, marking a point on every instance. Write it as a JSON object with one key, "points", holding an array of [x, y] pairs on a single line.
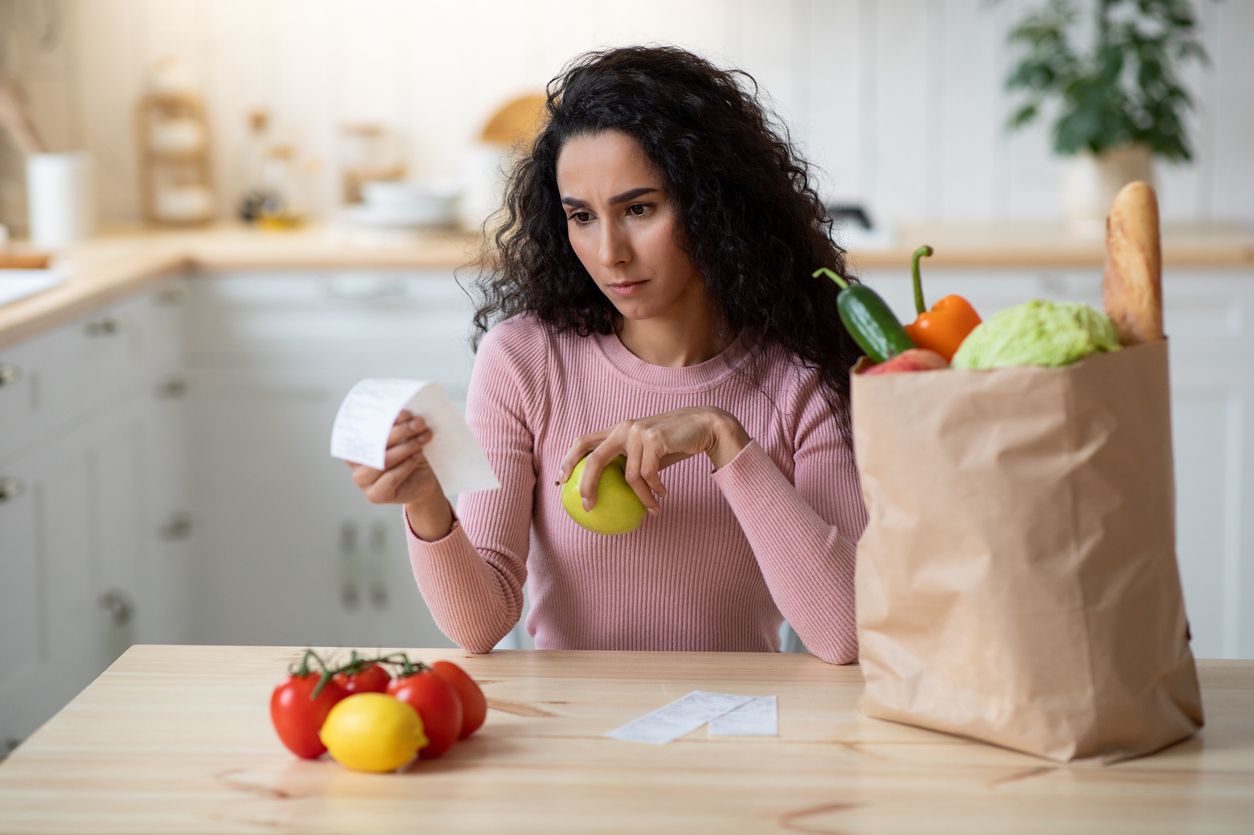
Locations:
{"points": [[178, 738]]}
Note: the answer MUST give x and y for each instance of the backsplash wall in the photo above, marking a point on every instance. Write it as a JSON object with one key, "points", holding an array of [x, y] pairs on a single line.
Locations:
{"points": [[899, 103]]}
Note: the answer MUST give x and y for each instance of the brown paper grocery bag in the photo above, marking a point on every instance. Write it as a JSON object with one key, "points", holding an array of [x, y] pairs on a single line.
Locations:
{"points": [[1017, 580]]}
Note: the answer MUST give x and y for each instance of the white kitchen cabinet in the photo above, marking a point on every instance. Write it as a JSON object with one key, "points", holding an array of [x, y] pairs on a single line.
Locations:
{"points": [[88, 450], [69, 536], [1209, 318], [298, 555]]}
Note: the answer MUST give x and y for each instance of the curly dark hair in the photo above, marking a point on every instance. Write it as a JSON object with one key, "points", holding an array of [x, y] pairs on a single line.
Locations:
{"points": [[753, 224]]}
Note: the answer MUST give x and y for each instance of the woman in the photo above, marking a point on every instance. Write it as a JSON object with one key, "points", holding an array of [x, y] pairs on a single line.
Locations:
{"points": [[653, 291]]}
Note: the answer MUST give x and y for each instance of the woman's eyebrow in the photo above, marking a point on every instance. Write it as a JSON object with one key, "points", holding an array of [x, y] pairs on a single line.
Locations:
{"points": [[617, 198]]}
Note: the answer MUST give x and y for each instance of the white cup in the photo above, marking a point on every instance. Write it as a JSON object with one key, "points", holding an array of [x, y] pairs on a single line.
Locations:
{"points": [[59, 198]]}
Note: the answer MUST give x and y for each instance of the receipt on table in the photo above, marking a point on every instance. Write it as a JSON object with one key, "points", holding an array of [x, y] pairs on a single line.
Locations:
{"points": [[364, 421], [681, 716], [756, 717]]}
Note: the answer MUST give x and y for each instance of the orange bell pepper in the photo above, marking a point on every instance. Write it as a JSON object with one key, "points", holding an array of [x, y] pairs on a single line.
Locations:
{"points": [[943, 328]]}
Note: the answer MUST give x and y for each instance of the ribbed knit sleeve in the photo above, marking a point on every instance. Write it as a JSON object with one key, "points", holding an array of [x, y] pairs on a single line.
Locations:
{"points": [[804, 533], [472, 579]]}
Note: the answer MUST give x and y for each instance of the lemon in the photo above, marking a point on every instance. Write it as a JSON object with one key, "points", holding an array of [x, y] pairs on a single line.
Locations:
{"points": [[373, 732], [617, 510]]}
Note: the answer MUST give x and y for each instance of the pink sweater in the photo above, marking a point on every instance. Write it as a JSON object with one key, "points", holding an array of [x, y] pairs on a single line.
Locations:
{"points": [[771, 535]]}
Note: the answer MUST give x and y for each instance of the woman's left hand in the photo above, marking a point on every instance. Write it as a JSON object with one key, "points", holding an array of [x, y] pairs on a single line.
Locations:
{"points": [[652, 444]]}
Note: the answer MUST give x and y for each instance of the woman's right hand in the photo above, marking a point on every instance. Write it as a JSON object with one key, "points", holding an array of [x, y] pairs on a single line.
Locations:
{"points": [[406, 477]]}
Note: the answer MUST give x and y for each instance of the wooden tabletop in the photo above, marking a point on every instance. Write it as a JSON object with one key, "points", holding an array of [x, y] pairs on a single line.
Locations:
{"points": [[178, 738]]}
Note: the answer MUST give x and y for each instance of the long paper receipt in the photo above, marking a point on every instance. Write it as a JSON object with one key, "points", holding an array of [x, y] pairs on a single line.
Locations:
{"points": [[727, 714], [365, 419]]}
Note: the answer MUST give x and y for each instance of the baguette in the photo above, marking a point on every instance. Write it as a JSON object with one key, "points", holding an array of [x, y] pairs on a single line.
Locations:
{"points": [[1132, 284]]}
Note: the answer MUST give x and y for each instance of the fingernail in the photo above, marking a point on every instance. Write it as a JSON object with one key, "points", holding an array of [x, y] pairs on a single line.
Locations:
{"points": [[655, 511], [587, 505]]}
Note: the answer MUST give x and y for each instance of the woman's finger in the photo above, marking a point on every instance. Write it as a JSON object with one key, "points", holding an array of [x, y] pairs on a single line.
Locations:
{"points": [[597, 460], [384, 490], [403, 430], [577, 451], [635, 454], [650, 464], [401, 452], [364, 476]]}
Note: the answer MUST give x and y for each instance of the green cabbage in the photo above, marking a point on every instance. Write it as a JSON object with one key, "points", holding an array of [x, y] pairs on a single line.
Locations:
{"points": [[1037, 333]]}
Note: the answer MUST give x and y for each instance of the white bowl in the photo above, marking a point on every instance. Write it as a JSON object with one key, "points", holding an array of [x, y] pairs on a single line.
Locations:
{"points": [[409, 193]]}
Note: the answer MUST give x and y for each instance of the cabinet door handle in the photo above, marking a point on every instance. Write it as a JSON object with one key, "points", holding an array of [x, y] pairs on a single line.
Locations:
{"points": [[118, 606], [10, 488], [179, 527], [9, 373], [172, 389], [378, 555], [349, 595], [103, 327], [171, 295]]}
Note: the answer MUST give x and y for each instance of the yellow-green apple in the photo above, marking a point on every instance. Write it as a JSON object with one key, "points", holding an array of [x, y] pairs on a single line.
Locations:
{"points": [[617, 508]]}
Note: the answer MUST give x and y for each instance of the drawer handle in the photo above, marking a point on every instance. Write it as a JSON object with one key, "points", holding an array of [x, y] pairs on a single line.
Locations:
{"points": [[179, 527], [103, 327], [172, 389], [378, 551], [349, 595], [172, 295], [9, 373], [10, 488], [118, 606]]}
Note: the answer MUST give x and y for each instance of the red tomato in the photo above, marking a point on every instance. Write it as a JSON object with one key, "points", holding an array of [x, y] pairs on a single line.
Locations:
{"points": [[372, 678], [439, 706], [474, 705], [297, 718]]}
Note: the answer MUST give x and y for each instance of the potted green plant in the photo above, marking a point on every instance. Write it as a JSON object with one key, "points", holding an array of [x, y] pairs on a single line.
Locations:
{"points": [[1117, 104]]}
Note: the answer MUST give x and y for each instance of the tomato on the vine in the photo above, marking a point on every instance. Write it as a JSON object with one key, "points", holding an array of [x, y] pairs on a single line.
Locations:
{"points": [[371, 678], [437, 703], [297, 714], [474, 705]]}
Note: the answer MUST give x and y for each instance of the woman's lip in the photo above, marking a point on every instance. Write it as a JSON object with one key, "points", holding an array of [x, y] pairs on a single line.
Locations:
{"points": [[627, 288]]}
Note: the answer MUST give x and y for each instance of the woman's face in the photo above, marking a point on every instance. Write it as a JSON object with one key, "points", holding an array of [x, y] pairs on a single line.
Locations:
{"points": [[624, 227]]}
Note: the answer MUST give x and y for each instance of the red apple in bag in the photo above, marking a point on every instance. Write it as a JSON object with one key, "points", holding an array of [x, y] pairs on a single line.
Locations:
{"points": [[915, 359]]}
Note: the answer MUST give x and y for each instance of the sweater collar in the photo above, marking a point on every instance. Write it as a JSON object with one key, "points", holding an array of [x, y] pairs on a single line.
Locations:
{"points": [[702, 375]]}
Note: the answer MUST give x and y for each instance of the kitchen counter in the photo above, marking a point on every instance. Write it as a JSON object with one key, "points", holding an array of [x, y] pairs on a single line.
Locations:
{"points": [[178, 738], [114, 265]]}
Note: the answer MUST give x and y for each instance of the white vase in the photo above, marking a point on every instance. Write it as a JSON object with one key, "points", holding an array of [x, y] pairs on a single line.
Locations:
{"points": [[1091, 181]]}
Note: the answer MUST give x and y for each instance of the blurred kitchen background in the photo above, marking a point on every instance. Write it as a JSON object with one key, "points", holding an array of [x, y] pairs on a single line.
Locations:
{"points": [[221, 215], [899, 103]]}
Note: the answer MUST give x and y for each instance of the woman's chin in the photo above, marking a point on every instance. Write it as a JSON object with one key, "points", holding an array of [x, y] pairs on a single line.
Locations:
{"points": [[632, 310]]}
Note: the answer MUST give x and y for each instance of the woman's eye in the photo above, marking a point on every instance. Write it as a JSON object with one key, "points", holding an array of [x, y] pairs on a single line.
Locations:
{"points": [[580, 217], [639, 209]]}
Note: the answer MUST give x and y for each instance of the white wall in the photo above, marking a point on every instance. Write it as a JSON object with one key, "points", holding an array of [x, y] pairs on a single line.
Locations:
{"points": [[900, 102]]}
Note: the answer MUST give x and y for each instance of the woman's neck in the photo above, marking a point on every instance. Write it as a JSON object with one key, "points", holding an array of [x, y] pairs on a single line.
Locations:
{"points": [[675, 342]]}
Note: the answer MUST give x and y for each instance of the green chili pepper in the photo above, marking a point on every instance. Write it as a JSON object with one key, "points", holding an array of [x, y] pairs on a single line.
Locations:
{"points": [[869, 319]]}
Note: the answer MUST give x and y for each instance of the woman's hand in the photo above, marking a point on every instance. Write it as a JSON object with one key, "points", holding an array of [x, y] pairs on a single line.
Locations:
{"points": [[406, 477], [651, 445]]}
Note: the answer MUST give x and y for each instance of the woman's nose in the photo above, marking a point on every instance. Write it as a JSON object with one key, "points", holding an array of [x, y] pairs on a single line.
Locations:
{"points": [[615, 248]]}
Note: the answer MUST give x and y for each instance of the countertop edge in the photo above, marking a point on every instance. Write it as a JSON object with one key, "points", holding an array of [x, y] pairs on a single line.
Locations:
{"points": [[109, 278]]}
